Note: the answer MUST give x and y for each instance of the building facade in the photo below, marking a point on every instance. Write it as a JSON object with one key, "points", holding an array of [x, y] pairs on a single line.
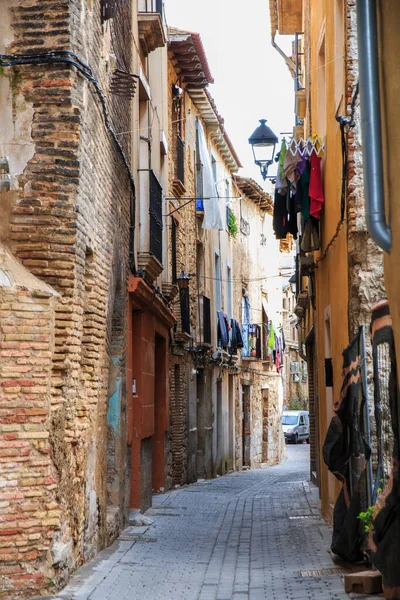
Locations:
{"points": [[337, 283], [120, 377]]}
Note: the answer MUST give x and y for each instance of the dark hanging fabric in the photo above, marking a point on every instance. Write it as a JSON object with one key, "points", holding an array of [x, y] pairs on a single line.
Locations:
{"points": [[283, 341], [239, 338], [258, 341], [310, 238], [223, 337], [236, 339], [303, 198], [384, 540], [292, 225], [280, 217], [315, 188], [346, 454]]}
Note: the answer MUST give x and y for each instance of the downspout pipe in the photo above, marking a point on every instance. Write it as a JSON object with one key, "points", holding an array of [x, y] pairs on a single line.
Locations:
{"points": [[289, 62], [371, 123]]}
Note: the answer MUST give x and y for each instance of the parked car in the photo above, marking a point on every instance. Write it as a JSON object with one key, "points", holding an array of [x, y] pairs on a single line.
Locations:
{"points": [[296, 426]]}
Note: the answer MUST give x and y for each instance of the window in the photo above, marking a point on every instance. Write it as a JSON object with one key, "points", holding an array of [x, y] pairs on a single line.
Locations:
{"points": [[321, 84], [156, 218], [185, 309], [173, 250], [206, 320]]}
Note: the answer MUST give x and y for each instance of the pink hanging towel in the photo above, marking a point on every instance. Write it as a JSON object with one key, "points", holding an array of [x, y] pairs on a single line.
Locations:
{"points": [[315, 190]]}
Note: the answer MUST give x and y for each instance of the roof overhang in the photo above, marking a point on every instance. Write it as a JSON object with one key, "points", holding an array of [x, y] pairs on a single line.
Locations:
{"points": [[205, 104], [187, 54], [286, 16], [254, 192]]}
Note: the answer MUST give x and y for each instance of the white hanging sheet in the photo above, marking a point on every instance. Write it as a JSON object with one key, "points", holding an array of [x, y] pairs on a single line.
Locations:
{"points": [[212, 216]]}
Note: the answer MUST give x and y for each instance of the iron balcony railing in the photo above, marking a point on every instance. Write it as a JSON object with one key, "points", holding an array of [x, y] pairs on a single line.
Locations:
{"points": [[180, 159], [151, 6], [156, 223]]}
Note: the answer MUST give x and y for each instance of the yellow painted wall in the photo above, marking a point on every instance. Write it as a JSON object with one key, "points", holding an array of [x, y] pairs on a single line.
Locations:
{"points": [[390, 47], [332, 273]]}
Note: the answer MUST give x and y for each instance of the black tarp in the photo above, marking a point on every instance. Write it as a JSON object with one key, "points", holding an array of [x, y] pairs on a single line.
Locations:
{"points": [[346, 454], [385, 535]]}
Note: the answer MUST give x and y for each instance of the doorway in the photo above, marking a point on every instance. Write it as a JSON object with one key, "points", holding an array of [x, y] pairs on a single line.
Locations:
{"points": [[231, 432], [160, 418], [246, 425]]}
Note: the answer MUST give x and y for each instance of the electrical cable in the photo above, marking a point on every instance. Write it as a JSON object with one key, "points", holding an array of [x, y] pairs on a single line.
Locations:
{"points": [[70, 58]]}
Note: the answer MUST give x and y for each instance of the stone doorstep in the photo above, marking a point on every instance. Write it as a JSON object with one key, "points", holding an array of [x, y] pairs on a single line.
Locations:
{"points": [[363, 582]]}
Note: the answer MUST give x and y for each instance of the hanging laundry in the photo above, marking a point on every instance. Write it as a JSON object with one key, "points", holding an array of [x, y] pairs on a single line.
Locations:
{"points": [[315, 190], [302, 193], [281, 160], [310, 237], [281, 184], [292, 224], [290, 166], [236, 340], [280, 216], [271, 338], [223, 336]]}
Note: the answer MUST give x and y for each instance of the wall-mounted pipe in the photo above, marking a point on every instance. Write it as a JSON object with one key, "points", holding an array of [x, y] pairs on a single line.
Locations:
{"points": [[371, 123]]}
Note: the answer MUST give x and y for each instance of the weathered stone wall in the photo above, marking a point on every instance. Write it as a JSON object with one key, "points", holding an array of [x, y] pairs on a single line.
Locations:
{"points": [[183, 431], [253, 264], [366, 283], [366, 274], [69, 226]]}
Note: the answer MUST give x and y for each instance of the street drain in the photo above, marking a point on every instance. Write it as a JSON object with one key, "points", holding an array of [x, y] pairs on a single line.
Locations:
{"points": [[304, 517], [321, 572]]}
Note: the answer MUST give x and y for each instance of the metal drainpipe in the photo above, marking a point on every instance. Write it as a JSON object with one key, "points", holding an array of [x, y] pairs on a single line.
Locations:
{"points": [[371, 124]]}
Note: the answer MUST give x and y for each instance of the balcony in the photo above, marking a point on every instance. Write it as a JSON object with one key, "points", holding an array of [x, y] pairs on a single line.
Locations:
{"points": [[150, 258], [290, 16], [178, 184], [151, 28]]}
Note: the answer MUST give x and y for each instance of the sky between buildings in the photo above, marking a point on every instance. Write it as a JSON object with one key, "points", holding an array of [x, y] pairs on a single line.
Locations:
{"points": [[251, 79]]}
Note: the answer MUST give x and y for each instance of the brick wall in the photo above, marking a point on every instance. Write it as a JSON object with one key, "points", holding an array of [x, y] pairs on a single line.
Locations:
{"points": [[182, 412], [69, 226]]}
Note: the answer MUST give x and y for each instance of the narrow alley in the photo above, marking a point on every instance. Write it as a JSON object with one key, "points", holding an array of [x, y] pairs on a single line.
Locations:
{"points": [[255, 534]]}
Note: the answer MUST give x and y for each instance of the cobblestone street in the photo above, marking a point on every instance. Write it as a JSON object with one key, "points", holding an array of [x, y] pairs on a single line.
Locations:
{"points": [[251, 535]]}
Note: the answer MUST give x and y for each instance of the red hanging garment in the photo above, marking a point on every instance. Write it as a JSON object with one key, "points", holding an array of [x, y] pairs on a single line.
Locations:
{"points": [[315, 191]]}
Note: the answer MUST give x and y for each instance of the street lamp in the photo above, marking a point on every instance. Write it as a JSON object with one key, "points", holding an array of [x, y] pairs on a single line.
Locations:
{"points": [[263, 141], [183, 280]]}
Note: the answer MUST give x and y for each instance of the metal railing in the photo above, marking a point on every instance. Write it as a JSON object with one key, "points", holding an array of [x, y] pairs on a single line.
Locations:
{"points": [[180, 159], [151, 6], [156, 223]]}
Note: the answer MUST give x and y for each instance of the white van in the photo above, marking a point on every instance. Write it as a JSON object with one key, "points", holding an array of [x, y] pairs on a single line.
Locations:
{"points": [[296, 425]]}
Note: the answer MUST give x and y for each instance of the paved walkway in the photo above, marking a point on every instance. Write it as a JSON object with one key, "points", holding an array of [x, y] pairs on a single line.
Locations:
{"points": [[255, 535]]}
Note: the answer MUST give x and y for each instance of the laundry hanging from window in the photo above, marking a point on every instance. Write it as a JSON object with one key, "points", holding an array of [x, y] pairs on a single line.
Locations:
{"points": [[212, 215], [299, 197]]}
